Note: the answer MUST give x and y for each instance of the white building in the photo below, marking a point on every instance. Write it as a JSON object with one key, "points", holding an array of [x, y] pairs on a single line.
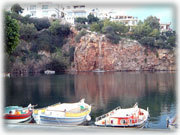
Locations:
{"points": [[165, 27], [73, 11], [127, 20], [40, 10], [68, 12]]}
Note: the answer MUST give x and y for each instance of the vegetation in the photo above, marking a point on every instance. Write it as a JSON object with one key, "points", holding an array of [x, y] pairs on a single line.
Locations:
{"points": [[17, 8], [11, 34], [79, 35], [90, 19], [148, 34], [34, 43]]}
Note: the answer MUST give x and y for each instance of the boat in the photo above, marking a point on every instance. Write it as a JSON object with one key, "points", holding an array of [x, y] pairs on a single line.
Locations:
{"points": [[172, 122], [98, 71], [48, 72], [63, 114], [128, 117], [18, 114]]}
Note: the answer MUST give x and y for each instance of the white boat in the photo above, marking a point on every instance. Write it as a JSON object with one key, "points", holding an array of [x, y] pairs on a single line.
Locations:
{"points": [[63, 114], [129, 117], [98, 71], [47, 72]]}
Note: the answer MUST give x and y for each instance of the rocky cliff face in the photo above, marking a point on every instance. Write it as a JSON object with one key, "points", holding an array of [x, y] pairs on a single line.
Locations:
{"points": [[96, 52]]}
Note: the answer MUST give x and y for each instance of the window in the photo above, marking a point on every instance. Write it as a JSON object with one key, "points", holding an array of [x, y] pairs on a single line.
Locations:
{"points": [[32, 7], [44, 6], [76, 6]]}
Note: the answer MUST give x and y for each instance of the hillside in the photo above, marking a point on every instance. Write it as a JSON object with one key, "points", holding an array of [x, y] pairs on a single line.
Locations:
{"points": [[96, 52]]}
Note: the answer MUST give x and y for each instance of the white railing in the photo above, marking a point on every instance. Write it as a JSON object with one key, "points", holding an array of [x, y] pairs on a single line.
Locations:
{"points": [[107, 114]]}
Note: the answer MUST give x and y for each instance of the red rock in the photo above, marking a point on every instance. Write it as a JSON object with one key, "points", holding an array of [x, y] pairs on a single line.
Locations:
{"points": [[127, 55]]}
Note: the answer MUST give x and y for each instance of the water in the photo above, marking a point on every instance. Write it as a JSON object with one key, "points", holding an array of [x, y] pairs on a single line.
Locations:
{"points": [[104, 91]]}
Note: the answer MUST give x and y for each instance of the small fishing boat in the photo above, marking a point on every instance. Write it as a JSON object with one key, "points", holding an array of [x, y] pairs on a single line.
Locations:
{"points": [[172, 122], [98, 70], [49, 72], [63, 114], [129, 117], [18, 114]]}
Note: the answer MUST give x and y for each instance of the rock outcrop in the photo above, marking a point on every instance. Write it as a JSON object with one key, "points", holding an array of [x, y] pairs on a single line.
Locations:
{"points": [[96, 52]]}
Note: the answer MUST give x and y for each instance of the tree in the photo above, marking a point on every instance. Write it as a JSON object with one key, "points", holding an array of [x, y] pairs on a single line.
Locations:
{"points": [[17, 8], [80, 26], [11, 34], [27, 31], [97, 26], [81, 20], [91, 18], [58, 29], [155, 33], [153, 22], [40, 23]]}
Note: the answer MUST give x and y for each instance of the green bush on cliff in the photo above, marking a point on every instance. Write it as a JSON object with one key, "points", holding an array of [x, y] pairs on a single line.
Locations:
{"points": [[11, 33], [80, 26], [79, 35], [59, 29], [148, 34], [27, 31], [81, 20]]}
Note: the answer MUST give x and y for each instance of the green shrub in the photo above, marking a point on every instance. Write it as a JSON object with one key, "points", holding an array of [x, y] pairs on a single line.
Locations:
{"points": [[27, 31], [113, 38], [80, 26], [11, 33], [40, 23], [81, 20], [79, 35], [147, 41], [97, 27]]}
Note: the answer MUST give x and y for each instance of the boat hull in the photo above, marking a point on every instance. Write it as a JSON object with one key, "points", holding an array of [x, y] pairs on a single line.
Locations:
{"points": [[63, 114], [142, 125], [18, 114], [24, 120], [21, 118], [127, 118], [60, 121]]}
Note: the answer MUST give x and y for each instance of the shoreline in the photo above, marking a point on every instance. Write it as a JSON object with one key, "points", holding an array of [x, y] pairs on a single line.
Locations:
{"points": [[72, 128], [75, 72]]}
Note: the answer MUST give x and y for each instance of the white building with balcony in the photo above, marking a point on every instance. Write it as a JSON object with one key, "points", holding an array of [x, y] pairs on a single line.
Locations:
{"points": [[66, 12], [40, 10]]}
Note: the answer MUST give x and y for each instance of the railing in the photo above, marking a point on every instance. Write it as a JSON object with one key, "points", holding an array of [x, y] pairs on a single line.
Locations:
{"points": [[107, 114]]}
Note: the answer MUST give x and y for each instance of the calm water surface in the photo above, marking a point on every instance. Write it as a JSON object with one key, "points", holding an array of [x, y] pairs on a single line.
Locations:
{"points": [[104, 91]]}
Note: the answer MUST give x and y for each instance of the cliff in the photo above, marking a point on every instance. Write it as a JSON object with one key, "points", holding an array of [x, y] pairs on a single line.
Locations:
{"points": [[96, 52]]}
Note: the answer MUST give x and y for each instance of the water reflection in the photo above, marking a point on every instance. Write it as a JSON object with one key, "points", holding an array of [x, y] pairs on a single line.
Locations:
{"points": [[104, 91]]}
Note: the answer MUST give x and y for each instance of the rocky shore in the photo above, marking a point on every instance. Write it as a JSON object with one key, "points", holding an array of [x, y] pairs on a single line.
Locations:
{"points": [[96, 52]]}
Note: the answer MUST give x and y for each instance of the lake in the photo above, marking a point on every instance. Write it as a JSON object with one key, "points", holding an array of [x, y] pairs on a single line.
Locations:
{"points": [[104, 91]]}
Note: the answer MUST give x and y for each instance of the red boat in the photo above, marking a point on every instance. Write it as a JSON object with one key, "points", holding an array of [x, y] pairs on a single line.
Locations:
{"points": [[18, 114], [129, 117]]}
